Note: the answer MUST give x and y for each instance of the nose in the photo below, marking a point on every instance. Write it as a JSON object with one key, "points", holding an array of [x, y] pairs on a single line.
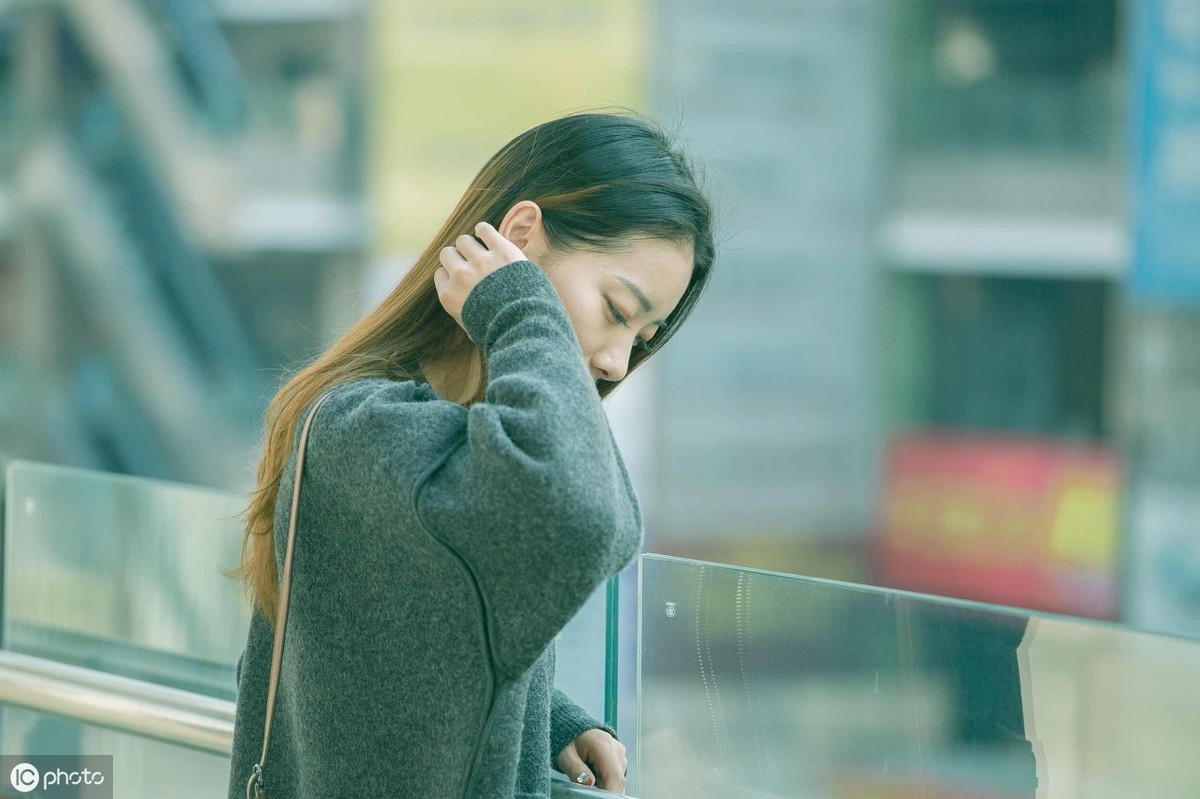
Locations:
{"points": [[608, 367]]}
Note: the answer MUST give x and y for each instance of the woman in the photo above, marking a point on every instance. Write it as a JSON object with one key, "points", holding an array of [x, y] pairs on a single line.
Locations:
{"points": [[462, 493]]}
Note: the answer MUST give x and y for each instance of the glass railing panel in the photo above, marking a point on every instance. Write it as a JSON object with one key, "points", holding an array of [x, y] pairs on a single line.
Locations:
{"points": [[754, 683], [113, 656], [125, 564], [143, 768]]}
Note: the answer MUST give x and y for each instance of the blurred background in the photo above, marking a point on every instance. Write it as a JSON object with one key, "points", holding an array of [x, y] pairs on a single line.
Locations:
{"points": [[953, 339], [952, 345]]}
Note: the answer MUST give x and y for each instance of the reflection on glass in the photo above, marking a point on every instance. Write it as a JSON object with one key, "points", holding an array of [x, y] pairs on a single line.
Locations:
{"points": [[760, 684], [122, 574]]}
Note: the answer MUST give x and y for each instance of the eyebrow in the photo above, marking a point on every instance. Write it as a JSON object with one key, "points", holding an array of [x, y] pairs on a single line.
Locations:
{"points": [[647, 306]]}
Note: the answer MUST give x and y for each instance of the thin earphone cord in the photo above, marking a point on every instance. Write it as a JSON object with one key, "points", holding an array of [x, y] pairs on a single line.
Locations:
{"points": [[282, 611]]}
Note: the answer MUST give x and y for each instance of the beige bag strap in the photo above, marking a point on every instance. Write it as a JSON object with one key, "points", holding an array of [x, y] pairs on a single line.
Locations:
{"points": [[256, 788]]}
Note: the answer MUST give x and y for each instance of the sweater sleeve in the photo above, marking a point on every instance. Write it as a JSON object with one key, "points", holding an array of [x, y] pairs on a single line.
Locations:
{"points": [[567, 721], [534, 496]]}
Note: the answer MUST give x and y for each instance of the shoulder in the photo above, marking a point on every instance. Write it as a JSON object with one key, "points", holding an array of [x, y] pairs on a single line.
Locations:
{"points": [[373, 412], [369, 401], [371, 390], [373, 429]]}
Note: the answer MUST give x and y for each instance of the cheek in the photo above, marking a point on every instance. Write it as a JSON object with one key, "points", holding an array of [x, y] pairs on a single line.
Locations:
{"points": [[585, 322], [568, 296], [590, 331]]}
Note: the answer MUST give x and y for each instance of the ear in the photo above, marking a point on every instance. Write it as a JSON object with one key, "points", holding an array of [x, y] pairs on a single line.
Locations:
{"points": [[522, 226]]}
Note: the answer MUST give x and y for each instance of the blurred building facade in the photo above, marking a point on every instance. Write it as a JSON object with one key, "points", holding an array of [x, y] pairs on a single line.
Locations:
{"points": [[939, 351]]}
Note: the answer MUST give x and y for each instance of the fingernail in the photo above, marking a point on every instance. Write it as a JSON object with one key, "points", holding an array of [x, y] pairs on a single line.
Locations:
{"points": [[584, 778]]}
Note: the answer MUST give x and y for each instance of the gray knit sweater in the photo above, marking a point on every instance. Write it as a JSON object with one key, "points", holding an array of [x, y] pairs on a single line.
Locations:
{"points": [[439, 551]]}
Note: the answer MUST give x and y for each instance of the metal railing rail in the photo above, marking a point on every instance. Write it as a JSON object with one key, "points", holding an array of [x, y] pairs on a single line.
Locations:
{"points": [[117, 703]]}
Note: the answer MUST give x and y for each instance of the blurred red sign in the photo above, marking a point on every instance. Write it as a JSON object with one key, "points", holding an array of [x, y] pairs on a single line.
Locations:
{"points": [[1022, 522]]}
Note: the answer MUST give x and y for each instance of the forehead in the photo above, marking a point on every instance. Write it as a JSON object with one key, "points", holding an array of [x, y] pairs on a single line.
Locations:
{"points": [[655, 263]]}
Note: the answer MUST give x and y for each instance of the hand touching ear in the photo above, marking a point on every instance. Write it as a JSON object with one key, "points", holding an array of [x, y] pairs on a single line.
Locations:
{"points": [[468, 262]]}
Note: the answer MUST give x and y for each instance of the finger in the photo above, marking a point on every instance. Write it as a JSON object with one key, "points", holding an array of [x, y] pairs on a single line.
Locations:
{"points": [[467, 243], [496, 241], [609, 771], [490, 236], [573, 767], [450, 256]]}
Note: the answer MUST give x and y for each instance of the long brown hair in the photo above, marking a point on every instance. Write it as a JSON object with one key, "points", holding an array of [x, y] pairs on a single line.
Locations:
{"points": [[599, 178]]}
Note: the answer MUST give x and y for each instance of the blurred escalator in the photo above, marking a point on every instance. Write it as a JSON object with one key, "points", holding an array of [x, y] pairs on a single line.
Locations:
{"points": [[127, 192], [146, 396]]}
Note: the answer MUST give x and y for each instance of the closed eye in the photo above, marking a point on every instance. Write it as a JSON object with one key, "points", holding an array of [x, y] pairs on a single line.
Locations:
{"points": [[620, 319]]}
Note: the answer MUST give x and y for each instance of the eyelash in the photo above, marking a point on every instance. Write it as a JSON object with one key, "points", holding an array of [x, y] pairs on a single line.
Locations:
{"points": [[638, 342]]}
